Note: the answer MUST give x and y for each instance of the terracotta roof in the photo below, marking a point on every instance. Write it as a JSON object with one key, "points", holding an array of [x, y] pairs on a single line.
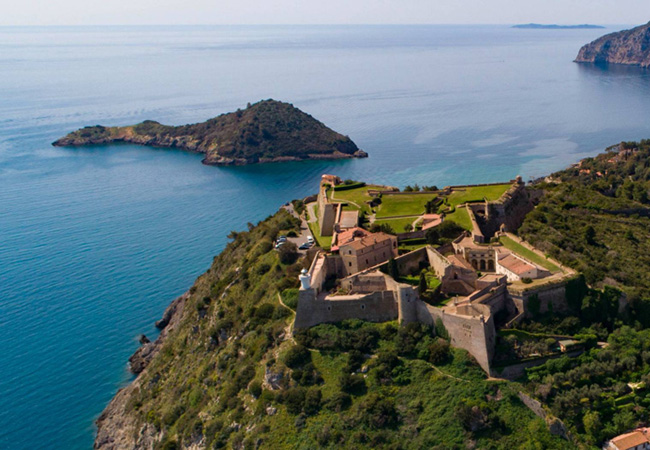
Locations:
{"points": [[349, 235], [459, 261], [367, 241], [431, 220], [630, 440], [515, 264], [349, 219]]}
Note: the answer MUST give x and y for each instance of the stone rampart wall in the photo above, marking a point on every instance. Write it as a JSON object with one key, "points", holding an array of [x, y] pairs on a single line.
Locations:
{"points": [[375, 307]]}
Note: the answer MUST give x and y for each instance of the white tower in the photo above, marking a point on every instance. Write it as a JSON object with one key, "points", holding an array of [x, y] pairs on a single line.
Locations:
{"points": [[305, 279]]}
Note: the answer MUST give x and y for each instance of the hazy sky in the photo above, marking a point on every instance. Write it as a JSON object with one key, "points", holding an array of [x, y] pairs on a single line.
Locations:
{"points": [[89, 12]]}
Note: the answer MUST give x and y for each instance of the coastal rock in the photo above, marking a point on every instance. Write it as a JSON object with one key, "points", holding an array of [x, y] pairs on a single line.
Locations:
{"points": [[630, 47], [268, 131], [116, 428]]}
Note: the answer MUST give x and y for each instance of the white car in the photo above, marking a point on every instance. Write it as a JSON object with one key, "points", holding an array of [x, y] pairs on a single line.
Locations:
{"points": [[310, 239]]}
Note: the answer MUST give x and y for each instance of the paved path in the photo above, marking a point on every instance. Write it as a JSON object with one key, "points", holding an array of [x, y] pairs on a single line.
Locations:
{"points": [[305, 232]]}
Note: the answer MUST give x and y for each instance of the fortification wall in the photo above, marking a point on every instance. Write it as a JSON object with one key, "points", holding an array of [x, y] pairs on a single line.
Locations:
{"points": [[552, 298], [375, 307], [412, 261], [438, 262], [476, 335]]}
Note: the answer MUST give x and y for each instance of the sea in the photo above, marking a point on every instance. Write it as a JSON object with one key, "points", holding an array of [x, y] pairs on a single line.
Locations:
{"points": [[96, 242]]}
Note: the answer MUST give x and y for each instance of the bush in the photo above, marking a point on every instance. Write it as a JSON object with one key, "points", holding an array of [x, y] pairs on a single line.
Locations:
{"points": [[339, 401], [255, 389], [288, 253], [297, 356], [347, 187], [294, 400], [439, 352], [352, 384]]}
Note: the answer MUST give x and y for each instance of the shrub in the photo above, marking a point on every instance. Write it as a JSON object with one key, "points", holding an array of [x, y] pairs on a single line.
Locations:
{"points": [[288, 253], [294, 400], [296, 356], [255, 389], [439, 352], [352, 384]]}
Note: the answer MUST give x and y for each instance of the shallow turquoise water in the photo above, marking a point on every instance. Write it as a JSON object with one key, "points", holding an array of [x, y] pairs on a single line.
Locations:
{"points": [[94, 243]]}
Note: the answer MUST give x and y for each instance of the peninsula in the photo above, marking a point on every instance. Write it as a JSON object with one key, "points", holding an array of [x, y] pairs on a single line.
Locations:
{"points": [[630, 47], [539, 26], [366, 317], [267, 131]]}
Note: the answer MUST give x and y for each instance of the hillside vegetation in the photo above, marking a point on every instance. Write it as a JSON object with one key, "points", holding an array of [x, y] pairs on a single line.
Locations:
{"points": [[263, 132], [595, 218], [231, 375]]}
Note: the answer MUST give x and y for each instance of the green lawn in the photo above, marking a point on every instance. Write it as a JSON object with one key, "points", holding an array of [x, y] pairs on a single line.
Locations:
{"points": [[397, 224], [325, 242], [479, 193], [403, 205], [359, 196], [528, 254], [461, 217]]}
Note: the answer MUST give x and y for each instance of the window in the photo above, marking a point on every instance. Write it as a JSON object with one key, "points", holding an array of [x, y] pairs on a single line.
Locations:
{"points": [[350, 264], [363, 306]]}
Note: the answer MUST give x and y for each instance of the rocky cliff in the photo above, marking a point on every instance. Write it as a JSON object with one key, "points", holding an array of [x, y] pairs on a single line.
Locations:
{"points": [[268, 131], [631, 47], [117, 428]]}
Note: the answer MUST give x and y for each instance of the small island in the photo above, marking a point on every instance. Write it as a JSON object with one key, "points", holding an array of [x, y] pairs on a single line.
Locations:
{"points": [[629, 47], [267, 131], [539, 26]]}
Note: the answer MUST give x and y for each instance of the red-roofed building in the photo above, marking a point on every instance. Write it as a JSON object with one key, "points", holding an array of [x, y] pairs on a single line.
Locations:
{"points": [[367, 251], [515, 268], [636, 440]]}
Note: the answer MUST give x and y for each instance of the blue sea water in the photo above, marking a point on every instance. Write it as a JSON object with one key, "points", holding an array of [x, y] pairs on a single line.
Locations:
{"points": [[95, 242]]}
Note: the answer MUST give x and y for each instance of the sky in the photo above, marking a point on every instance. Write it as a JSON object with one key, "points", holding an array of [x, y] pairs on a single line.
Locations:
{"points": [[187, 12]]}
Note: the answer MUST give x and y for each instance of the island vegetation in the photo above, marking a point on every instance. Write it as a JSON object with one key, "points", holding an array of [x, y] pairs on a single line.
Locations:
{"points": [[267, 131]]}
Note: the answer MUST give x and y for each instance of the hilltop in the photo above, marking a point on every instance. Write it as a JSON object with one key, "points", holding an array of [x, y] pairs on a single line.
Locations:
{"points": [[539, 26], [267, 131], [261, 354], [630, 47]]}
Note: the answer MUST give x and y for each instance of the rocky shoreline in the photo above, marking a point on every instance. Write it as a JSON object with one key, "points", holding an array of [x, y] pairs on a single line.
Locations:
{"points": [[628, 47], [116, 428]]}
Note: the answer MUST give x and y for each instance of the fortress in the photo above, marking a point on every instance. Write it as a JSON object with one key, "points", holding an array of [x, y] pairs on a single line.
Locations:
{"points": [[482, 286]]}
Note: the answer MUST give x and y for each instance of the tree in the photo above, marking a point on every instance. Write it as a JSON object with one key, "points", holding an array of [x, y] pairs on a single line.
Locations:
{"points": [[408, 227], [393, 271], [423, 286], [590, 235], [288, 253]]}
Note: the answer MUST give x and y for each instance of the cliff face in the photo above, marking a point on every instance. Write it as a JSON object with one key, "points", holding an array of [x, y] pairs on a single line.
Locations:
{"points": [[631, 47], [117, 427], [267, 131]]}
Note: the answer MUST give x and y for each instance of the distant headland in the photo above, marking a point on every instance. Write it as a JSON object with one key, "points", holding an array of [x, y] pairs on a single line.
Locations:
{"points": [[267, 131], [539, 26], [630, 47]]}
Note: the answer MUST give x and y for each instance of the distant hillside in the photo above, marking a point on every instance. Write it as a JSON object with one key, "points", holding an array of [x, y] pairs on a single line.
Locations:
{"points": [[539, 26], [630, 47], [268, 131]]}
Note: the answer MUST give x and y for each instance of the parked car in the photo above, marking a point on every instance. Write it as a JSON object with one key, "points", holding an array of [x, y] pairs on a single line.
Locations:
{"points": [[280, 244], [305, 246], [310, 239]]}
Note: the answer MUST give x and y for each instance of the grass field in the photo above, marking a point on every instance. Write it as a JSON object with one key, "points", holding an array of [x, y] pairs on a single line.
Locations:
{"points": [[397, 224], [461, 217], [528, 254], [325, 242], [479, 193], [355, 196], [403, 205]]}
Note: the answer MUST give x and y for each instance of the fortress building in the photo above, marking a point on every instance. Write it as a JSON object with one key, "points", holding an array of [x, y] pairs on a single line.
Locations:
{"points": [[485, 286]]}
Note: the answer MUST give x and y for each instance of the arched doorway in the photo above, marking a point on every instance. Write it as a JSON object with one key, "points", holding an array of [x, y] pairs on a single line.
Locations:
{"points": [[491, 265], [475, 264], [482, 264]]}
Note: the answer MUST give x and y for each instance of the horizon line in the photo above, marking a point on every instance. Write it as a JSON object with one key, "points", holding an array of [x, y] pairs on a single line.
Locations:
{"points": [[304, 24]]}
